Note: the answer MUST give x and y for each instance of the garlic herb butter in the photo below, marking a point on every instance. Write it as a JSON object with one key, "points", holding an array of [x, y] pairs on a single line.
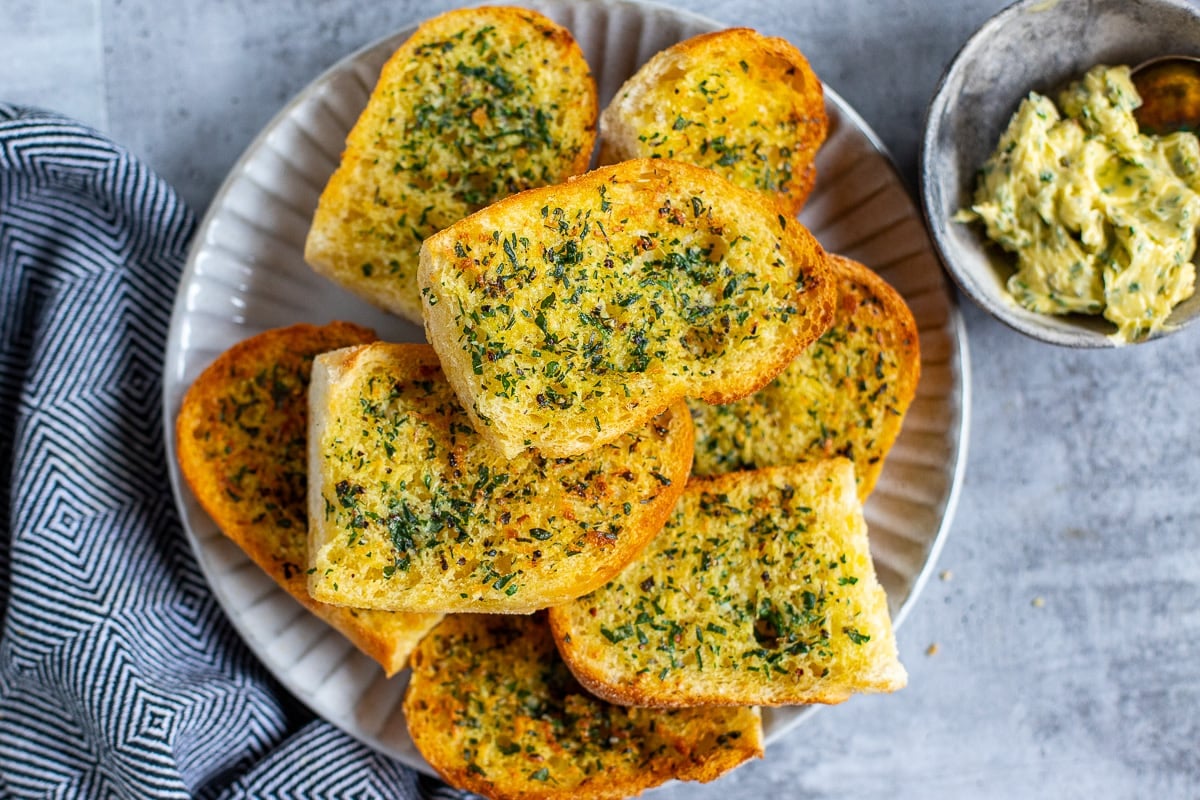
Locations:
{"points": [[1101, 218]]}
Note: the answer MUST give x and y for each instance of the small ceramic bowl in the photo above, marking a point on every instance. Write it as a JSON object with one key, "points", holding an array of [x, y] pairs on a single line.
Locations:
{"points": [[1033, 45]]}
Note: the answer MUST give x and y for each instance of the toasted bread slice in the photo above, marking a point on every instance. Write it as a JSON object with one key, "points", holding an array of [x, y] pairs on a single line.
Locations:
{"points": [[478, 104], [743, 104], [845, 395], [760, 590], [494, 710], [568, 315], [241, 438], [411, 510]]}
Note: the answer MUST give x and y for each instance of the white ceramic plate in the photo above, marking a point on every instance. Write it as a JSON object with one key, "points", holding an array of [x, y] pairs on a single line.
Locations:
{"points": [[246, 274]]}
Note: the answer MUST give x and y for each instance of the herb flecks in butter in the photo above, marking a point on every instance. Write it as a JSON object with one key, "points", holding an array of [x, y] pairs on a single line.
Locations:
{"points": [[1102, 219]]}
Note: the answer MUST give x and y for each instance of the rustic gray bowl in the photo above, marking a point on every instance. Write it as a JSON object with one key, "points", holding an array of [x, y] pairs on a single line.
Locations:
{"points": [[1033, 45]]}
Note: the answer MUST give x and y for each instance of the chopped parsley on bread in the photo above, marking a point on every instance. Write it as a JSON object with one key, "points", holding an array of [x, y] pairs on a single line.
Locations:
{"points": [[734, 101], [494, 710], [242, 447], [568, 315], [846, 395], [478, 104], [410, 510], [760, 590]]}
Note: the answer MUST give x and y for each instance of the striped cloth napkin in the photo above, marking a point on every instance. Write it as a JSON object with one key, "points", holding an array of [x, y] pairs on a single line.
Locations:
{"points": [[119, 675]]}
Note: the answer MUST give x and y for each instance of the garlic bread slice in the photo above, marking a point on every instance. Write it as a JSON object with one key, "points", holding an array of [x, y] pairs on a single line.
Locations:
{"points": [[569, 315], [477, 104], [410, 510], [494, 710], [846, 395], [745, 105], [759, 590]]}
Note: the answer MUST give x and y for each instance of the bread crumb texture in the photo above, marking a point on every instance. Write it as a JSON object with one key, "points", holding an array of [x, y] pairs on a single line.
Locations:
{"points": [[494, 710], [478, 104], [568, 315], [745, 105], [846, 395], [760, 590], [411, 510], [242, 442]]}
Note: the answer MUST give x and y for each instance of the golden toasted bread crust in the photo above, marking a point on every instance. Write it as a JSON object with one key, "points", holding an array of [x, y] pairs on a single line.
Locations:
{"points": [[845, 395], [478, 104], [759, 590], [241, 441], [411, 510], [743, 104], [493, 709], [568, 315]]}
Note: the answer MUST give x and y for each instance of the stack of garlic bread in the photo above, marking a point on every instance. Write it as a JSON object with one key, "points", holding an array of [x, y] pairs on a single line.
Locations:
{"points": [[627, 471]]}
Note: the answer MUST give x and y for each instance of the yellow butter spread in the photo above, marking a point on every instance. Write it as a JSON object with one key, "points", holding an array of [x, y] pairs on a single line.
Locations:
{"points": [[1102, 219]]}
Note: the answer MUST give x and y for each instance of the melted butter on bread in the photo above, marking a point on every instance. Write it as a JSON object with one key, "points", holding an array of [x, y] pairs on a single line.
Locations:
{"points": [[568, 315], [759, 590], [478, 104], [411, 510], [846, 395], [494, 710]]}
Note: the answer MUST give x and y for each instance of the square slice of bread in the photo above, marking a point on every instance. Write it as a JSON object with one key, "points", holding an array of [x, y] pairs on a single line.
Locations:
{"points": [[410, 510], [760, 590], [846, 395], [745, 105], [242, 447], [569, 315], [494, 710], [478, 104]]}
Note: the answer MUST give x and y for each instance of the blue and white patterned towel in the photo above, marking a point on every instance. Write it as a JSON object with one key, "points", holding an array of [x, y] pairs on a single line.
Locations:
{"points": [[119, 675]]}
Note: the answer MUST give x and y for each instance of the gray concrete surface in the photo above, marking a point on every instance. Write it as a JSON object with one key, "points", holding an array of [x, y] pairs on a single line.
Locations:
{"points": [[1056, 653]]}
